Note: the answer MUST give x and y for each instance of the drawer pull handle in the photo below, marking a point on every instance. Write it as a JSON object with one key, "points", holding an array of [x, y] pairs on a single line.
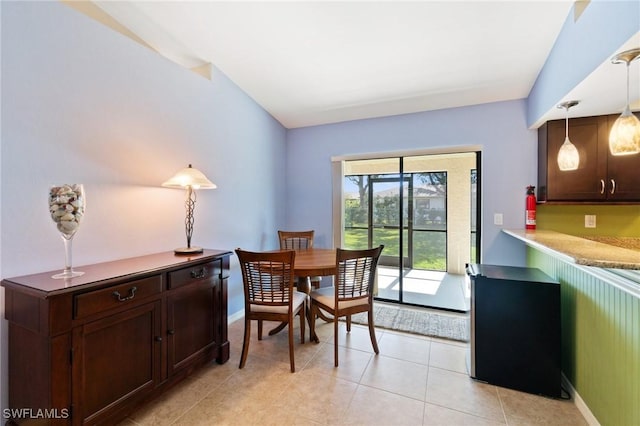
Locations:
{"points": [[132, 294], [613, 186], [602, 186], [199, 274]]}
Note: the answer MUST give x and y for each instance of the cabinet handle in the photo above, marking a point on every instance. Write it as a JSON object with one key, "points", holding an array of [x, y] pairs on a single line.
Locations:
{"points": [[602, 186], [199, 274], [171, 332], [132, 294], [158, 339], [613, 186]]}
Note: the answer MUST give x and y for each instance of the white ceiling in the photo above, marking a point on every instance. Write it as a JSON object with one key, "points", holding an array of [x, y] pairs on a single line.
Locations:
{"points": [[310, 63]]}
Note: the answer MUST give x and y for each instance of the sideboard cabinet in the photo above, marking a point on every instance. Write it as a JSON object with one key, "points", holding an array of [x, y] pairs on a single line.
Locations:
{"points": [[90, 349], [601, 177]]}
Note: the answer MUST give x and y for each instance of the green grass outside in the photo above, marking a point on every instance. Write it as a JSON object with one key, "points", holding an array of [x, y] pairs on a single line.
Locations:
{"points": [[429, 248]]}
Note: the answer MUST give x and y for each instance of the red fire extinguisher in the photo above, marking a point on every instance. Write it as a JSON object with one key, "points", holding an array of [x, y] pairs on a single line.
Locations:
{"points": [[530, 213]]}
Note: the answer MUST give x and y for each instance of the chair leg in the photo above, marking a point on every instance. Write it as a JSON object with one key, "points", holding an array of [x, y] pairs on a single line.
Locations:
{"points": [[348, 323], [259, 329], [291, 359], [335, 339], [245, 343], [372, 331]]}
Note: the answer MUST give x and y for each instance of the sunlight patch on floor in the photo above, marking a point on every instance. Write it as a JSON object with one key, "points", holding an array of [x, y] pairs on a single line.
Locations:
{"points": [[427, 288], [419, 286], [415, 280]]}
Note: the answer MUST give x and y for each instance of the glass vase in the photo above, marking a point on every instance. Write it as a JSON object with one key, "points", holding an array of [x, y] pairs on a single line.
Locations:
{"points": [[66, 207]]}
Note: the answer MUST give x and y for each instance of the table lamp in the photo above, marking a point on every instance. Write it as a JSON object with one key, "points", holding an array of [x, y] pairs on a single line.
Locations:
{"points": [[191, 179]]}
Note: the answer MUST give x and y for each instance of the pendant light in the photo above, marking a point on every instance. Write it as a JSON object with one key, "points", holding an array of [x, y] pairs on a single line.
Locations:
{"points": [[568, 156], [624, 138]]}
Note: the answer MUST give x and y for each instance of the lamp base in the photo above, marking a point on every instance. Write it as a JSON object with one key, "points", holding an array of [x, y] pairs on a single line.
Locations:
{"points": [[188, 250]]}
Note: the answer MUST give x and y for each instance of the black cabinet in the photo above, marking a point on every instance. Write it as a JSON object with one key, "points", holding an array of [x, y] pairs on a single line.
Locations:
{"points": [[601, 177], [515, 328]]}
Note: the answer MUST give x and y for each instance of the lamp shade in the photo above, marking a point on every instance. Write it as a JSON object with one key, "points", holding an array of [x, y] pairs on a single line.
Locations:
{"points": [[189, 177], [624, 138], [568, 156]]}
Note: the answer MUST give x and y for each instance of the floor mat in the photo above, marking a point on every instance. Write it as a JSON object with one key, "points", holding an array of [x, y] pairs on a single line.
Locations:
{"points": [[418, 321]]}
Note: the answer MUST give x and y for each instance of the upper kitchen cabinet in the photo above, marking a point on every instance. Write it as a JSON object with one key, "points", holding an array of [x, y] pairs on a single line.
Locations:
{"points": [[600, 176]]}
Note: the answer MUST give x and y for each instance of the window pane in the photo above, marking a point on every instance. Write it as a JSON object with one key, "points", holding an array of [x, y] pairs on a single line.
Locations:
{"points": [[430, 250]]}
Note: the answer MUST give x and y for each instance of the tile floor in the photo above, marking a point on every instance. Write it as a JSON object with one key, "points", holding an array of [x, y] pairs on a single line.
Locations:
{"points": [[413, 381]]}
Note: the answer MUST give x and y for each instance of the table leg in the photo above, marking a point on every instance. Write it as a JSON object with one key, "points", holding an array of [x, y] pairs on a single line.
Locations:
{"points": [[324, 317], [304, 285], [278, 329]]}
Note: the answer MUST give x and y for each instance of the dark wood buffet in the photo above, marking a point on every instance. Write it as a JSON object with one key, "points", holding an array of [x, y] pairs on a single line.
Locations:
{"points": [[91, 349]]}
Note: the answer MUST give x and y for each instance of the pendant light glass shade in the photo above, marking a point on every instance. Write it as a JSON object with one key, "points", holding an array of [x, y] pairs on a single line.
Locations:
{"points": [[624, 137], [568, 155]]}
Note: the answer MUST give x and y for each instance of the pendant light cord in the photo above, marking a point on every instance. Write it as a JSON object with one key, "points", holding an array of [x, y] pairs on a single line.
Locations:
{"points": [[628, 62]]}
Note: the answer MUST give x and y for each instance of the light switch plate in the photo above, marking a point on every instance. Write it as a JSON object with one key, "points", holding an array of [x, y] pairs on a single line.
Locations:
{"points": [[589, 220], [497, 218]]}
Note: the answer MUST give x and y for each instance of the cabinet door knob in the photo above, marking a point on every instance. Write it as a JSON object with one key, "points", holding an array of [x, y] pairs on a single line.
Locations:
{"points": [[158, 339], [171, 332], [602, 186], [613, 186], [132, 294]]}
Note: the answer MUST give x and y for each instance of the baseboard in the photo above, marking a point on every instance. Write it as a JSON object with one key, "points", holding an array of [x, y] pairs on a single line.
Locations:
{"points": [[579, 402], [235, 317]]}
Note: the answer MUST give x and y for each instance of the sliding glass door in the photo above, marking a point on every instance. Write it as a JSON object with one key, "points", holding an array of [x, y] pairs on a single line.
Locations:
{"points": [[404, 203]]}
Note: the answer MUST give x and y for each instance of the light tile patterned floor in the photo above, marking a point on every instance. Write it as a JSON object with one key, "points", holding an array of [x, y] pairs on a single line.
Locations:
{"points": [[413, 381]]}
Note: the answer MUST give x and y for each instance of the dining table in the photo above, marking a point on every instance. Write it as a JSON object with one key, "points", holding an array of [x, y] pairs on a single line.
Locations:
{"points": [[311, 262]]}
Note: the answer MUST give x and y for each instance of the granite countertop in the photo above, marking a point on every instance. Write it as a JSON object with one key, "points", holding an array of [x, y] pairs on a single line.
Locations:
{"points": [[602, 252]]}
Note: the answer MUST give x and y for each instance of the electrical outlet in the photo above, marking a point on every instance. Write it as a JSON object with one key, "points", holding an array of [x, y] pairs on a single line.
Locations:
{"points": [[497, 218], [589, 220]]}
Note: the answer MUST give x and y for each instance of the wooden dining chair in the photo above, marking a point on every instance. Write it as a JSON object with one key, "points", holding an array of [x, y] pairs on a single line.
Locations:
{"points": [[299, 240], [351, 294], [269, 295]]}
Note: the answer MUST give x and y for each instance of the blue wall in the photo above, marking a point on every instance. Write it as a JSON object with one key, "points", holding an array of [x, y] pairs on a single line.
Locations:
{"points": [[580, 48], [509, 153], [82, 103], [509, 149]]}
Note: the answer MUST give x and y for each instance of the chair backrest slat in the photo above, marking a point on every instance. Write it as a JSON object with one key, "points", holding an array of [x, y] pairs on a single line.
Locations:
{"points": [[267, 277], [356, 273], [295, 240]]}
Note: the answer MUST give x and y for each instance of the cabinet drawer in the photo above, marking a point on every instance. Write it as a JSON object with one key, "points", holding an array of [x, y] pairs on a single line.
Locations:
{"points": [[115, 296], [186, 276]]}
